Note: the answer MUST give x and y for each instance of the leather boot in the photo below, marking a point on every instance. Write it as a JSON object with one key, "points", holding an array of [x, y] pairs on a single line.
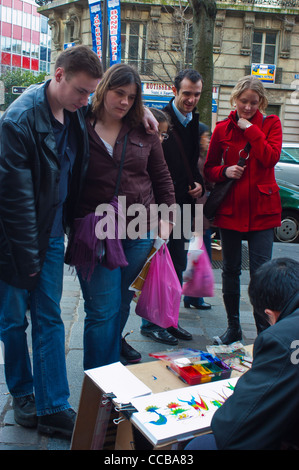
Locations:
{"points": [[233, 332]]}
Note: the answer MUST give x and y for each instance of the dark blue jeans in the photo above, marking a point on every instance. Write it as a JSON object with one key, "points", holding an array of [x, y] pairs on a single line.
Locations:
{"points": [[107, 301], [49, 378]]}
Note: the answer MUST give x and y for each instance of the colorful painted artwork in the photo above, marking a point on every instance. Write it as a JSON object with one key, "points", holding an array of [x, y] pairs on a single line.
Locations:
{"points": [[163, 417]]}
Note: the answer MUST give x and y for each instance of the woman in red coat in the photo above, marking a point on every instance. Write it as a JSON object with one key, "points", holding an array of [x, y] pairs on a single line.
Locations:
{"points": [[252, 208]]}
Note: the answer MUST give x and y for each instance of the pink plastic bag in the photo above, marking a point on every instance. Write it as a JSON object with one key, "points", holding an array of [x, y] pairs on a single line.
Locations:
{"points": [[202, 282], [159, 301]]}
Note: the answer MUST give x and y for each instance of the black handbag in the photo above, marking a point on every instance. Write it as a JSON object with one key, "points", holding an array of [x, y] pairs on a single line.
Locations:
{"points": [[220, 190]]}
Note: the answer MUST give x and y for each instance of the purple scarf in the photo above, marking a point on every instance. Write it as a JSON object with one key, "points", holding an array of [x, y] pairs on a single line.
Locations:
{"points": [[91, 244]]}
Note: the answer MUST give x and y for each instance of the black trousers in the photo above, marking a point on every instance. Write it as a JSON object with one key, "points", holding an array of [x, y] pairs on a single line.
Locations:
{"points": [[178, 247]]}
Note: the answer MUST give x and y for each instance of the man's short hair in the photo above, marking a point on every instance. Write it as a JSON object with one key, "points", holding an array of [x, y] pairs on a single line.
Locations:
{"points": [[80, 59], [274, 284], [191, 74]]}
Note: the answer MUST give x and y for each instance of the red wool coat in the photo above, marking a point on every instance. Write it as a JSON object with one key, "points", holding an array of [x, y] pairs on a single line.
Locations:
{"points": [[253, 203]]}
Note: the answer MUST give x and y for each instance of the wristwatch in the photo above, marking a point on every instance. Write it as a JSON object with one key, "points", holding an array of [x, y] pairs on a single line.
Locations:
{"points": [[248, 125]]}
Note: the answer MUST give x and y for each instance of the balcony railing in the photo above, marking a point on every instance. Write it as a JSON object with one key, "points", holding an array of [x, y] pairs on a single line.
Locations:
{"points": [[143, 66], [264, 3]]}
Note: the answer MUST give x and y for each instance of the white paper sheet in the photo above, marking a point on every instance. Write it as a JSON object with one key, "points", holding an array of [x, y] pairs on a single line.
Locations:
{"points": [[116, 378]]}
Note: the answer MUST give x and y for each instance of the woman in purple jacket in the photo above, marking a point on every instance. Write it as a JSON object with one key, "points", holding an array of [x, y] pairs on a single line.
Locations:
{"points": [[116, 116]]}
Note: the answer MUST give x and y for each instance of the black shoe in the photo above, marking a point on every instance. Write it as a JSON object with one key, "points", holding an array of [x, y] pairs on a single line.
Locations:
{"points": [[204, 306], [179, 333], [129, 353], [196, 304], [230, 336], [25, 411], [62, 423], [160, 335]]}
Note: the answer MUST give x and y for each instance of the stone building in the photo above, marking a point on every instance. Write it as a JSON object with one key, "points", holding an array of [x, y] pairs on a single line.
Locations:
{"points": [[157, 39]]}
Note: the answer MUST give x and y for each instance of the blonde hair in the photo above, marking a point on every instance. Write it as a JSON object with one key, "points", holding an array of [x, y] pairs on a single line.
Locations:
{"points": [[250, 82]]}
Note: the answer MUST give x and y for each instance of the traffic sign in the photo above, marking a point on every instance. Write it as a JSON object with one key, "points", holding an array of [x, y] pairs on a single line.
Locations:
{"points": [[18, 90]]}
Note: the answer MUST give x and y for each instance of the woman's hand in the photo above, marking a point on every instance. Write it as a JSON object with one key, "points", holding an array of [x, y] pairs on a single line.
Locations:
{"points": [[235, 171], [165, 229], [244, 124]]}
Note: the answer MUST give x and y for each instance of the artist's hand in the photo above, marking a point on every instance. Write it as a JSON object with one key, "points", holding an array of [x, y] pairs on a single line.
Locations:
{"points": [[149, 121], [165, 229], [33, 274], [197, 191], [235, 171]]}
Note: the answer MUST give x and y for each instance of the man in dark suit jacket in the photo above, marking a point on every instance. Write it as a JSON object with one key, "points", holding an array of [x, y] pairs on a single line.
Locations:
{"points": [[183, 144]]}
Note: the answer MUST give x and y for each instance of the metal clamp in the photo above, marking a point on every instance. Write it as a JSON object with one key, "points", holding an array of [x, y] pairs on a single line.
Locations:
{"points": [[240, 154]]}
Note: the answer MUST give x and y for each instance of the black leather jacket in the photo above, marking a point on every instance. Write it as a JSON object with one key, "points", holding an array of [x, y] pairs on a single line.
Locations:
{"points": [[29, 184]]}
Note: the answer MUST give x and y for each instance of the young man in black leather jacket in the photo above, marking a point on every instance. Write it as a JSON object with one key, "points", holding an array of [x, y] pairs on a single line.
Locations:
{"points": [[43, 158]]}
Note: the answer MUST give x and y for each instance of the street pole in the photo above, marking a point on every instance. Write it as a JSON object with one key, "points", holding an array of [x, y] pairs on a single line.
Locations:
{"points": [[105, 34]]}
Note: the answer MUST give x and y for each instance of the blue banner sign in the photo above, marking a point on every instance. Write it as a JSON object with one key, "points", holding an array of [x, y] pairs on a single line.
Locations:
{"points": [[96, 26], [114, 31]]}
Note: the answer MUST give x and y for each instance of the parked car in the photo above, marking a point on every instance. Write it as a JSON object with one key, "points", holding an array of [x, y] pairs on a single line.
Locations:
{"points": [[289, 230], [287, 169]]}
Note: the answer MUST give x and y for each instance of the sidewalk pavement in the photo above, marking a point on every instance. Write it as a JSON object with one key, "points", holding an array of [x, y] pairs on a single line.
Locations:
{"points": [[203, 324]]}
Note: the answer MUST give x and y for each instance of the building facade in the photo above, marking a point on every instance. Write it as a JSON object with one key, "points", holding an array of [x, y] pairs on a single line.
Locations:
{"points": [[250, 36], [25, 37]]}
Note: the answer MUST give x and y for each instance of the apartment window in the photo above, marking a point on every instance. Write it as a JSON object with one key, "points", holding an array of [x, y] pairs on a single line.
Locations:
{"points": [[273, 109], [5, 44], [69, 32], [6, 14], [43, 53], [43, 39], [35, 23], [16, 46], [44, 25], [43, 66], [17, 17], [26, 48], [264, 48], [27, 20], [133, 43], [34, 50]]}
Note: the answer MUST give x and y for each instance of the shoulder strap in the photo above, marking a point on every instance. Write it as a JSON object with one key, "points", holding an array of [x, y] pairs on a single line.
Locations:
{"points": [[121, 165]]}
